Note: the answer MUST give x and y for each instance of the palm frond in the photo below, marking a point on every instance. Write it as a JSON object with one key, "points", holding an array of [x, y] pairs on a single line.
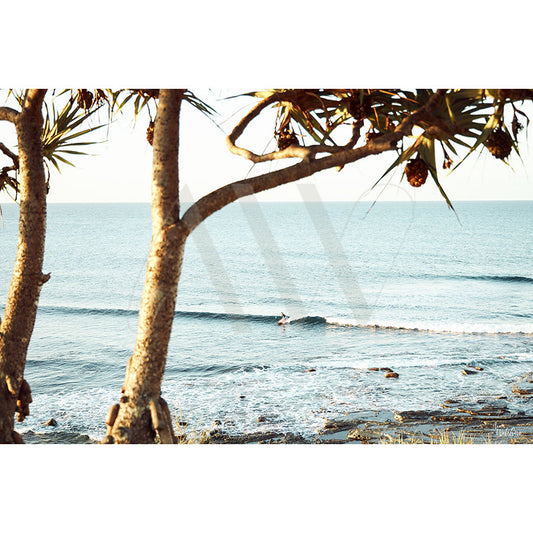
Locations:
{"points": [[59, 130]]}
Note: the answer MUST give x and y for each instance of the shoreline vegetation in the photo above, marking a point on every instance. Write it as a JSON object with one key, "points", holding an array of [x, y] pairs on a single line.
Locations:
{"points": [[496, 420]]}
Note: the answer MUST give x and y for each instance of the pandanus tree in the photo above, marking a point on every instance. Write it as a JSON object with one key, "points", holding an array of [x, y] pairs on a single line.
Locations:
{"points": [[323, 129], [27, 179]]}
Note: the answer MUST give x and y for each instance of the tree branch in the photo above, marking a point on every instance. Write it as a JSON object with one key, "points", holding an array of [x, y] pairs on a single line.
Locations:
{"points": [[33, 100], [9, 153], [9, 114], [300, 152], [223, 196], [227, 194], [516, 94]]}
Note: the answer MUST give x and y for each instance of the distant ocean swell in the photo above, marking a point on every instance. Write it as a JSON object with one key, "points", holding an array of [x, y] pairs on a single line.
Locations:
{"points": [[501, 279], [517, 279], [316, 321]]}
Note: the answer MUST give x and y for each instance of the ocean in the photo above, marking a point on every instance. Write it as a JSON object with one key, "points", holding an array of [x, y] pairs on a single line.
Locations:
{"points": [[409, 286]]}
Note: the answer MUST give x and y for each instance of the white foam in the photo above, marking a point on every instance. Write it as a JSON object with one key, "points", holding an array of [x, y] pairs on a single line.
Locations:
{"points": [[526, 329]]}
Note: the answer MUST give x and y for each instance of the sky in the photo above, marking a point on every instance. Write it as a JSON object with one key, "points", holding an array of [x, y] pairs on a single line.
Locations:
{"points": [[119, 168]]}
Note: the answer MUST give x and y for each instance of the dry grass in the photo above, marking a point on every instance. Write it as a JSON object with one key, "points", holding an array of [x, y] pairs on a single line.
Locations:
{"points": [[448, 437], [389, 439], [191, 435], [439, 437]]}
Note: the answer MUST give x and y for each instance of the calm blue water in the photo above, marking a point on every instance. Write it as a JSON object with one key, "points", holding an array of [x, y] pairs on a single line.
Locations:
{"points": [[404, 285]]}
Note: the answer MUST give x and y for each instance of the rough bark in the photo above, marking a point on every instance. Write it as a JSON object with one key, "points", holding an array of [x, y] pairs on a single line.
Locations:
{"points": [[142, 416], [21, 306]]}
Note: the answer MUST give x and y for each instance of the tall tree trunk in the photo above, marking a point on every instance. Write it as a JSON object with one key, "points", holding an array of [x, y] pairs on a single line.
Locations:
{"points": [[21, 307], [142, 416]]}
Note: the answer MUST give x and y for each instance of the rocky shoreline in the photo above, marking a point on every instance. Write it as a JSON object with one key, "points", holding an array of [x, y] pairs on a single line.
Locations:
{"points": [[498, 420], [458, 423]]}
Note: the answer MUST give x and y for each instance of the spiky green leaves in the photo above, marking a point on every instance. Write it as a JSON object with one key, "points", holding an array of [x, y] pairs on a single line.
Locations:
{"points": [[61, 132]]}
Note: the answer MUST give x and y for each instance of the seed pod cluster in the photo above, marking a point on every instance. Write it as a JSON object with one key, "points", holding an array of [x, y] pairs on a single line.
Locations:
{"points": [[499, 143], [417, 172], [286, 138], [516, 127], [150, 133], [360, 110], [84, 98]]}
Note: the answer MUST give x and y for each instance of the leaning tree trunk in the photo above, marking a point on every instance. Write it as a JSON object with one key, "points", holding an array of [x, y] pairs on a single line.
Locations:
{"points": [[142, 416], [21, 307]]}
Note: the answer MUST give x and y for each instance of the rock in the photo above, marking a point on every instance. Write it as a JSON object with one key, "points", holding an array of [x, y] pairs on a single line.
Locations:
{"points": [[360, 435], [51, 422], [386, 369], [391, 375], [217, 423], [414, 416], [261, 418], [333, 426], [522, 389], [487, 410], [468, 372], [291, 438], [260, 436], [373, 369]]}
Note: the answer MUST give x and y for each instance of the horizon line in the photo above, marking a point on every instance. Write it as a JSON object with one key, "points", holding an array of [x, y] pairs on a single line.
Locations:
{"points": [[11, 202]]}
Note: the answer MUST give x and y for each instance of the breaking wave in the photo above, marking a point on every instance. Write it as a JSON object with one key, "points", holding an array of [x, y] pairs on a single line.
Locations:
{"points": [[315, 321]]}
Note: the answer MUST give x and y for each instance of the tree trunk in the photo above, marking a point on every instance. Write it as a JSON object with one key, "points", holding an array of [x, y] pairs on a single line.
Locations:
{"points": [[21, 307], [142, 415]]}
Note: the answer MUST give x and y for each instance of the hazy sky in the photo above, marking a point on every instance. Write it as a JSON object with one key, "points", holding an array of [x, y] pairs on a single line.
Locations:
{"points": [[120, 170]]}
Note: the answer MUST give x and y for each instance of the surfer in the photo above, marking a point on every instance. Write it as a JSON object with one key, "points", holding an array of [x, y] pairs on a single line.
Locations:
{"points": [[284, 320]]}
